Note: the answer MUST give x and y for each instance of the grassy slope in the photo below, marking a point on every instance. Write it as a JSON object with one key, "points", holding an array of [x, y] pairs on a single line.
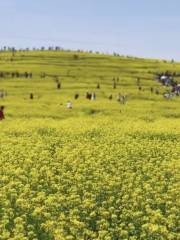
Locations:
{"points": [[80, 76]]}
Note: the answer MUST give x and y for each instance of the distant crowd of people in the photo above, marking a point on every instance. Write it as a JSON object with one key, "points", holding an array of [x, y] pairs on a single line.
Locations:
{"points": [[166, 79], [16, 75]]}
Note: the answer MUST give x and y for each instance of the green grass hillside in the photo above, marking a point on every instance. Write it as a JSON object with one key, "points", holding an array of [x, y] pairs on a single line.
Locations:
{"points": [[101, 170]]}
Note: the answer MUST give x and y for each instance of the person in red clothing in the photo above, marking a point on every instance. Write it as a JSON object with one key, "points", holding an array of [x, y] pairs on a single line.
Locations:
{"points": [[1, 112]]}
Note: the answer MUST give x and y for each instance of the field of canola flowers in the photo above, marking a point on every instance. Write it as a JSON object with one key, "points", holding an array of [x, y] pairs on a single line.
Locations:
{"points": [[102, 170]]}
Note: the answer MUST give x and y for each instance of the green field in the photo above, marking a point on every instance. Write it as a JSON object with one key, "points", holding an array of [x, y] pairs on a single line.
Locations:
{"points": [[101, 170]]}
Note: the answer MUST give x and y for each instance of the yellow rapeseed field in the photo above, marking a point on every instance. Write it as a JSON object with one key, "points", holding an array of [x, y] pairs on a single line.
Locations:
{"points": [[102, 170]]}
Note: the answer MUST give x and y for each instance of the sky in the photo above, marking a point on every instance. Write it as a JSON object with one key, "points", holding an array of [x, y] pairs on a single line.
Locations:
{"points": [[142, 28]]}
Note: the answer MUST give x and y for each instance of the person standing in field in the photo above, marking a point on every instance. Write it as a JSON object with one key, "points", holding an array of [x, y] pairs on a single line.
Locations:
{"points": [[2, 113], [110, 97], [118, 97], [31, 96], [98, 86], [88, 95], [123, 99], [140, 88], [114, 85], [69, 105], [76, 96], [58, 85], [93, 96]]}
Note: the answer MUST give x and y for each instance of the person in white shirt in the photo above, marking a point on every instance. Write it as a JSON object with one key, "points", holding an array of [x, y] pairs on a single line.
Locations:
{"points": [[93, 96], [69, 105]]}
